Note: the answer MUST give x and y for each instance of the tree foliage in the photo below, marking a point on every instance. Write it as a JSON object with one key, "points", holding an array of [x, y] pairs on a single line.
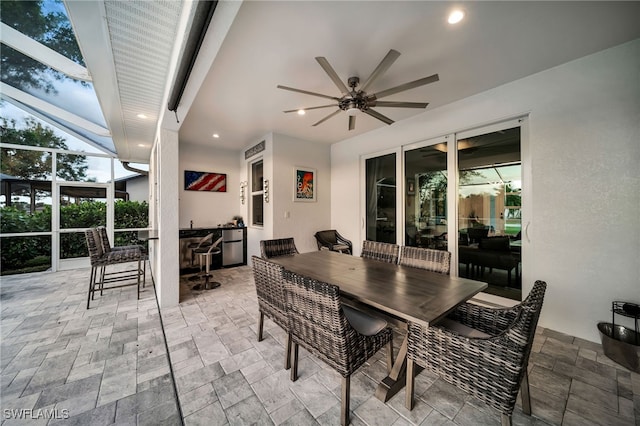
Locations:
{"points": [[33, 165], [46, 26]]}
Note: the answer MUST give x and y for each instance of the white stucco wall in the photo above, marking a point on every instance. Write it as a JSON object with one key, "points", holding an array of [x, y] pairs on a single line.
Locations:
{"points": [[208, 208], [280, 156], [300, 220], [584, 136]]}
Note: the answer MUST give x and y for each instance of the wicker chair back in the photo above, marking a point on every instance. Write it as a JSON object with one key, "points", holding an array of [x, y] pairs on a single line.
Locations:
{"points": [[277, 247], [269, 289], [317, 322], [424, 258], [384, 252], [492, 368]]}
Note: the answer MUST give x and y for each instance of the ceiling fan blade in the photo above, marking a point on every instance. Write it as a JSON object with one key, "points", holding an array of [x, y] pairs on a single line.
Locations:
{"points": [[381, 68], [308, 109], [379, 116], [392, 104], [352, 122], [308, 93], [407, 86], [327, 117], [332, 74]]}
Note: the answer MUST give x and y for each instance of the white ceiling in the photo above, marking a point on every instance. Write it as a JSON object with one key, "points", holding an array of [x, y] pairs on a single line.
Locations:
{"points": [[271, 43]]}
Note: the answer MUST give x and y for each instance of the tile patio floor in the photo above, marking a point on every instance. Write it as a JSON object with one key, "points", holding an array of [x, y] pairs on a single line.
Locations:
{"points": [[109, 365]]}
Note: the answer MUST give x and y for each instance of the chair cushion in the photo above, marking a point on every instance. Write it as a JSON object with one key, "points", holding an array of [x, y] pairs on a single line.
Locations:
{"points": [[363, 323], [495, 243], [339, 247], [462, 329]]}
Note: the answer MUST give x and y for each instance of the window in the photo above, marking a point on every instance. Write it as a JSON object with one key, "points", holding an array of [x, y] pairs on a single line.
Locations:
{"points": [[257, 194]]}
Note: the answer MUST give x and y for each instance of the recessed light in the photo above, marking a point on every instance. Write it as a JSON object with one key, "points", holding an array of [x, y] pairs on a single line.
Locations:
{"points": [[215, 135], [301, 112], [143, 145], [455, 16], [141, 116]]}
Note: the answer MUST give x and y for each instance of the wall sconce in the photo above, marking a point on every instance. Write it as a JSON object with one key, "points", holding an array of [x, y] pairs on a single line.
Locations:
{"points": [[243, 185], [266, 190]]}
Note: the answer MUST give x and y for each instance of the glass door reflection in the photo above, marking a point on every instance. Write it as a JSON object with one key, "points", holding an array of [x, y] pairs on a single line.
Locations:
{"points": [[489, 202]]}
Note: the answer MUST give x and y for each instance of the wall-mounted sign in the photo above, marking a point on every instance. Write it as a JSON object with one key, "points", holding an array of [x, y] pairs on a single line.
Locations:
{"points": [[254, 150]]}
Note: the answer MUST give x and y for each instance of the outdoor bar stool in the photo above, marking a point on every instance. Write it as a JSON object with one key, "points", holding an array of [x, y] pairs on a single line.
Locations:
{"points": [[98, 277], [106, 248], [205, 255], [207, 241]]}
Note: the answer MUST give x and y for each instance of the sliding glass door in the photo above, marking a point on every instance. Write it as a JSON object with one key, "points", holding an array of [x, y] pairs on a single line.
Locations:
{"points": [[425, 200], [489, 208], [380, 198]]}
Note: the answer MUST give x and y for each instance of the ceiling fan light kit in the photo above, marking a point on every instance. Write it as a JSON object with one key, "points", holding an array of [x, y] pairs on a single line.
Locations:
{"points": [[357, 100]]}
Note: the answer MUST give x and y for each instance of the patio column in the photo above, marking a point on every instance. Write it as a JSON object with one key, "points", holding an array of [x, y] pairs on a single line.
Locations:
{"points": [[167, 277]]}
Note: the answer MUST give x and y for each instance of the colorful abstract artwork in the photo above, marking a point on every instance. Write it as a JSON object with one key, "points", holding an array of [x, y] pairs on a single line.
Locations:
{"points": [[204, 181], [304, 186]]}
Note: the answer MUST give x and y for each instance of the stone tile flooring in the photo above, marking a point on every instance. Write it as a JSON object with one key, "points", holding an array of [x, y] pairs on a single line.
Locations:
{"points": [[108, 365]]}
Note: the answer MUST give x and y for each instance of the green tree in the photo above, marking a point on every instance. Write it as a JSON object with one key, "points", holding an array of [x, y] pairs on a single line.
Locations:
{"points": [[45, 25], [28, 164]]}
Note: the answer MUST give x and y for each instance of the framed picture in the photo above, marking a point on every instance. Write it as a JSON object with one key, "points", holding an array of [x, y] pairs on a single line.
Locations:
{"points": [[205, 181], [304, 184], [411, 187]]}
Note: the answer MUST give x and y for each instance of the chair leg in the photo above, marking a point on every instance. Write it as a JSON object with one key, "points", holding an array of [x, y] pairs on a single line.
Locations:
{"points": [[524, 393], [390, 356], [92, 277], [506, 419], [294, 365], [260, 326], [408, 401], [102, 275], [287, 360], [139, 270], [346, 393]]}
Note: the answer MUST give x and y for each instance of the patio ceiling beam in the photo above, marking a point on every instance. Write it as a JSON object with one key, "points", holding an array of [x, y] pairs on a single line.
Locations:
{"points": [[53, 110], [41, 53], [60, 126]]}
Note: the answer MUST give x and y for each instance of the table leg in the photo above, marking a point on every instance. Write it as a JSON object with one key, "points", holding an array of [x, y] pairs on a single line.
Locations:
{"points": [[396, 380]]}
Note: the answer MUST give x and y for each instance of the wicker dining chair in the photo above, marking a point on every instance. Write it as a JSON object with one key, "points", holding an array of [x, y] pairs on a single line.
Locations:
{"points": [[270, 292], [277, 247], [384, 252], [332, 240], [482, 351], [424, 258], [342, 337], [106, 248], [100, 259]]}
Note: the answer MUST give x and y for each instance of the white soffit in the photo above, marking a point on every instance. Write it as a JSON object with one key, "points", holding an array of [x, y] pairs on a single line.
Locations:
{"points": [[127, 46]]}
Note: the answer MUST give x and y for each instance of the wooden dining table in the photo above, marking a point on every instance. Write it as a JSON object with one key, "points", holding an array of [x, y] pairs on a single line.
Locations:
{"points": [[404, 293]]}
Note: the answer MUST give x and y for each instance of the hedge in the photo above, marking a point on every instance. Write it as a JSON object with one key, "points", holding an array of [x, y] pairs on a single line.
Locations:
{"points": [[33, 253]]}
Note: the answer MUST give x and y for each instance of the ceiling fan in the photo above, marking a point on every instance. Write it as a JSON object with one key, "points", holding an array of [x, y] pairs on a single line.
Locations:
{"points": [[355, 100]]}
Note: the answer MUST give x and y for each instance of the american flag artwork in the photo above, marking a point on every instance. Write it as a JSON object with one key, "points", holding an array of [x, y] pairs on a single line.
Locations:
{"points": [[203, 181]]}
